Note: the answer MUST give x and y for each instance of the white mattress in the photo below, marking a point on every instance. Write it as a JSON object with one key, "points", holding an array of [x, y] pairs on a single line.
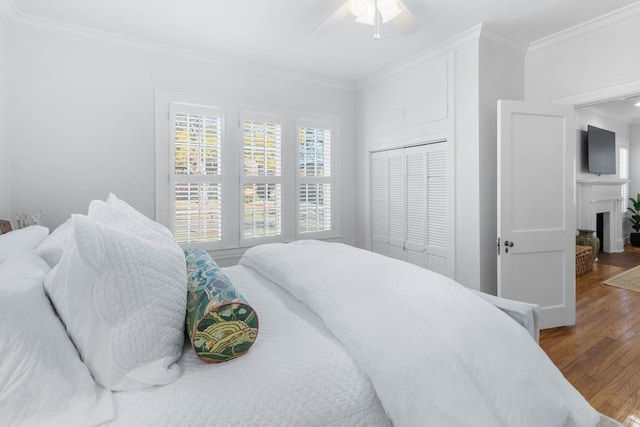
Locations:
{"points": [[296, 374]]}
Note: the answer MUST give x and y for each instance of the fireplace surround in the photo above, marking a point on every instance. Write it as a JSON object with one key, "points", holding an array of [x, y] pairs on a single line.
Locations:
{"points": [[601, 197]]}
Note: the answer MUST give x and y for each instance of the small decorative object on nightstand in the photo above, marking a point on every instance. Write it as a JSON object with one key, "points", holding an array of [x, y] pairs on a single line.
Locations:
{"points": [[21, 219]]}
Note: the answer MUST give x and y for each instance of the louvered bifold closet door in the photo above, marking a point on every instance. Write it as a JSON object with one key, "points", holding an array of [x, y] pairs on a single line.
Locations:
{"points": [[379, 203], [397, 203], [437, 235], [416, 205]]}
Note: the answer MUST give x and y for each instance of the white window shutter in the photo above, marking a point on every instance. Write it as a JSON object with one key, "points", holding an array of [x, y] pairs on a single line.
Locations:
{"points": [[623, 173], [379, 198], [396, 196], [437, 198], [416, 198], [196, 135], [314, 203], [262, 177]]}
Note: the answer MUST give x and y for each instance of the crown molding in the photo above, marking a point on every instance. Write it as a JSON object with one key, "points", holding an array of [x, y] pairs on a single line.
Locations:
{"points": [[19, 19], [438, 52], [617, 17], [481, 33], [504, 41], [610, 92]]}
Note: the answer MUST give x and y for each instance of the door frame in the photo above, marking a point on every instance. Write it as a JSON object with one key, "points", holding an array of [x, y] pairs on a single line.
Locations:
{"points": [[600, 94]]}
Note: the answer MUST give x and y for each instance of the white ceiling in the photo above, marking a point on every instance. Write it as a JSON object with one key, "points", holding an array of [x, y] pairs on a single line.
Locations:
{"points": [[279, 33]]}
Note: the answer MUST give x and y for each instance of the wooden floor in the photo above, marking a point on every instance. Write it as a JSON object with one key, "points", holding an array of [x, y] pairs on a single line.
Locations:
{"points": [[600, 355]]}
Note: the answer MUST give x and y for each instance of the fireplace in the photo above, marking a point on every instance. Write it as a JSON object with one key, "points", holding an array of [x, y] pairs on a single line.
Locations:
{"points": [[600, 227], [599, 208]]}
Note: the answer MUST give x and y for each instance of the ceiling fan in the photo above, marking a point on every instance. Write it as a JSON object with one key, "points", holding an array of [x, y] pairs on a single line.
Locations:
{"points": [[373, 12]]}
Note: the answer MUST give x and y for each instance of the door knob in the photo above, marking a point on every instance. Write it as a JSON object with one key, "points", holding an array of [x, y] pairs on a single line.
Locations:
{"points": [[507, 245]]}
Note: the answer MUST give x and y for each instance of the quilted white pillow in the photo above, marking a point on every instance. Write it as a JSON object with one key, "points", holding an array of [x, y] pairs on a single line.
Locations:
{"points": [[43, 382], [123, 301], [112, 200], [122, 218], [21, 240]]}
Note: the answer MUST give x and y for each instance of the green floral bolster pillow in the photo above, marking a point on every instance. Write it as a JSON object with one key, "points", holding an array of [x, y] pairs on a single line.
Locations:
{"points": [[220, 323]]}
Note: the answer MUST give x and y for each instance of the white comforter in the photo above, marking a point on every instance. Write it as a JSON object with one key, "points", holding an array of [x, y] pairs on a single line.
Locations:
{"points": [[437, 354]]}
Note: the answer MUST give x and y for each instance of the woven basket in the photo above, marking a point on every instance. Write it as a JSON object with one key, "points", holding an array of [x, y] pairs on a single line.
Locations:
{"points": [[584, 260]]}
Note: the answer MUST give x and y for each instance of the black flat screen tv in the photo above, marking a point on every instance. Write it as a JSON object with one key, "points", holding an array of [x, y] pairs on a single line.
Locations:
{"points": [[601, 150]]}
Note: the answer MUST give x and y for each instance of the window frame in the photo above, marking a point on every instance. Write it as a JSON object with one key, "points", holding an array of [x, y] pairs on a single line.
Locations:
{"points": [[232, 243], [624, 187], [300, 179], [196, 178], [260, 179]]}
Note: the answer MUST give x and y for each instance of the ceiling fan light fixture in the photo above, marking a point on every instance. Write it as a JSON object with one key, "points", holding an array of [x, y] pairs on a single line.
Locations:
{"points": [[365, 10], [370, 17], [358, 8], [388, 9]]}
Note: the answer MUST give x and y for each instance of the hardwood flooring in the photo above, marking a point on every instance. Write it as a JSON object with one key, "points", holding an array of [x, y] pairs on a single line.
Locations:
{"points": [[600, 355]]}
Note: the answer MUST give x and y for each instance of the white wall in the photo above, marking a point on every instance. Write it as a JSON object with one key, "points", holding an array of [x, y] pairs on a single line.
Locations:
{"points": [[501, 76], [577, 61], [5, 143], [596, 61], [84, 118]]}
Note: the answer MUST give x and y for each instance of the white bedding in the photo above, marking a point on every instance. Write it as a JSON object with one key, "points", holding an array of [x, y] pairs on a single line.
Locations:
{"points": [[437, 354], [296, 374]]}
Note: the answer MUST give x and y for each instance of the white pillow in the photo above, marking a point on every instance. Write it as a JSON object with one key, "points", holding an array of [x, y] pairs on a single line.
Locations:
{"points": [[112, 200], [43, 382], [52, 247], [123, 301], [123, 219], [21, 240], [23, 265]]}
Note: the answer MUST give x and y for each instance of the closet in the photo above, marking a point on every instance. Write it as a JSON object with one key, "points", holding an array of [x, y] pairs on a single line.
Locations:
{"points": [[409, 205]]}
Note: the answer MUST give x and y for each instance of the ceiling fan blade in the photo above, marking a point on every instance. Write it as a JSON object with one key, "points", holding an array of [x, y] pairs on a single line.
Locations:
{"points": [[338, 15], [406, 21]]}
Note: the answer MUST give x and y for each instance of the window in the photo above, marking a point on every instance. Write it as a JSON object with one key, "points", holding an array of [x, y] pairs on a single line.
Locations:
{"points": [[262, 178], [623, 173], [196, 148], [314, 179], [230, 175]]}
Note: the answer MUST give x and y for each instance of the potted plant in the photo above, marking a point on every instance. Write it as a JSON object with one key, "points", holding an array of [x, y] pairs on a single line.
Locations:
{"points": [[634, 238]]}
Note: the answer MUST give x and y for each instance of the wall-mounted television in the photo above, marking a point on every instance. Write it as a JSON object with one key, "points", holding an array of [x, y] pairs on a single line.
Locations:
{"points": [[601, 150]]}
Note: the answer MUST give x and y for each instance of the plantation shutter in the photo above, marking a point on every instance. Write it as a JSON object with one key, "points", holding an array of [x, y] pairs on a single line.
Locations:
{"points": [[379, 203], [416, 161], [397, 206], [409, 205], [437, 200], [197, 170], [314, 179], [623, 173], [261, 177]]}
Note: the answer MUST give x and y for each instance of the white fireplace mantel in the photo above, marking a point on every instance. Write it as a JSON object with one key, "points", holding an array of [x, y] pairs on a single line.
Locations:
{"points": [[602, 196]]}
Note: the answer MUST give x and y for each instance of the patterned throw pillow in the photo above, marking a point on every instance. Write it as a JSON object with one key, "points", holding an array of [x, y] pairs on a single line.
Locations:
{"points": [[220, 323]]}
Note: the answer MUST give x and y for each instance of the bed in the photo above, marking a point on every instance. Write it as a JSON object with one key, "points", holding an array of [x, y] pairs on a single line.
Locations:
{"points": [[346, 338]]}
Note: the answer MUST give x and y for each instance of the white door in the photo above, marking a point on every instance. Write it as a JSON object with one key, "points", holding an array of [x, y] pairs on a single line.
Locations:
{"points": [[536, 208]]}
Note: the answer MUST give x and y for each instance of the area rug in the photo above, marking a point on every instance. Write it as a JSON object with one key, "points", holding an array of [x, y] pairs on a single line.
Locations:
{"points": [[628, 280]]}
